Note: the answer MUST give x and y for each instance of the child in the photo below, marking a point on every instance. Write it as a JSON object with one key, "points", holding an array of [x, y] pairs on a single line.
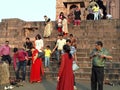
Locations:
{"points": [[47, 56]]}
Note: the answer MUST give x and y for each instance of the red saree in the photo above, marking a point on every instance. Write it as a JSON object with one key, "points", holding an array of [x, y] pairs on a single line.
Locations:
{"points": [[36, 69], [66, 80]]}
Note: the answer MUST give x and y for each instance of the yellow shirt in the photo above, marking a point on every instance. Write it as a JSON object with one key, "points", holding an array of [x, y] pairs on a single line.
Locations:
{"points": [[47, 52], [95, 9]]}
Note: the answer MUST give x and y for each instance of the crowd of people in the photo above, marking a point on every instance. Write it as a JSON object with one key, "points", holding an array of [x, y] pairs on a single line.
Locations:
{"points": [[38, 56], [97, 10], [65, 50]]}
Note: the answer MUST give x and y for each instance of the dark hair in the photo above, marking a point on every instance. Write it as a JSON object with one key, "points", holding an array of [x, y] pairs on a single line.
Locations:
{"points": [[38, 36], [63, 17], [99, 43], [71, 35], [48, 20], [90, 6], [7, 41], [15, 49], [68, 40], [32, 47], [61, 13], [66, 49], [48, 46], [45, 16], [96, 5], [27, 38]]}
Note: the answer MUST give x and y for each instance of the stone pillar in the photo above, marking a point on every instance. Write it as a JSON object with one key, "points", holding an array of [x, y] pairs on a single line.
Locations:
{"points": [[117, 8], [60, 7], [112, 8], [108, 6], [4, 73], [68, 9]]}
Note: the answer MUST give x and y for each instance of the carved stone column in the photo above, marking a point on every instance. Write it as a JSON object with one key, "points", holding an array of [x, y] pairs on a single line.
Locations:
{"points": [[112, 8], [4, 73]]}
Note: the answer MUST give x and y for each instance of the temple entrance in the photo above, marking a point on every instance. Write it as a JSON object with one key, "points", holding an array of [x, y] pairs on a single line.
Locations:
{"points": [[71, 14]]}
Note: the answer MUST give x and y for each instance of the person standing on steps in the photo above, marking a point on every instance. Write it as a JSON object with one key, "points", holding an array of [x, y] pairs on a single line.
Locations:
{"points": [[98, 56], [28, 46], [5, 52], [48, 53], [73, 40], [48, 27], [64, 26], [59, 45], [65, 75], [73, 53], [77, 17], [36, 71], [59, 23], [19, 62]]}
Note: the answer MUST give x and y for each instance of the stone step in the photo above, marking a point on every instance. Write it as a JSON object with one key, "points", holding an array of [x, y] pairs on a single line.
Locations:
{"points": [[78, 76], [111, 69], [82, 64]]}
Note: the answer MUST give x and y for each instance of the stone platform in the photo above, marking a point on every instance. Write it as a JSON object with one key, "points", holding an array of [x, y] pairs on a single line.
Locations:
{"points": [[51, 85]]}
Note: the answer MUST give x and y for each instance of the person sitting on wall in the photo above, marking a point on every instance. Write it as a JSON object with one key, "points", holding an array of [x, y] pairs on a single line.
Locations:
{"points": [[59, 22], [28, 46], [77, 17], [90, 15]]}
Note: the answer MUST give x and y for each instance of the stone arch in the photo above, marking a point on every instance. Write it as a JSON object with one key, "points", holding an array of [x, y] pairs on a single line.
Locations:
{"points": [[112, 8], [71, 13], [72, 6], [71, 9]]}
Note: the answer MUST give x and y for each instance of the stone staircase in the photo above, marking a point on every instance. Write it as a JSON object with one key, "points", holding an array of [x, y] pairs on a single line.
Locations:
{"points": [[87, 33]]}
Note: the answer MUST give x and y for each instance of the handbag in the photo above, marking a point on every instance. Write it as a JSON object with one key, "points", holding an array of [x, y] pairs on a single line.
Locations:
{"points": [[75, 66], [40, 54]]}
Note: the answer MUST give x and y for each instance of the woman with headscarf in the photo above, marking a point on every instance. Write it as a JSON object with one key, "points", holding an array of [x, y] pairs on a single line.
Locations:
{"points": [[48, 27]]}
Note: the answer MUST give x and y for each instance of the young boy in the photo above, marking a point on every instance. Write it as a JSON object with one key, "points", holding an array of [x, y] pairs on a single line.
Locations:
{"points": [[47, 56]]}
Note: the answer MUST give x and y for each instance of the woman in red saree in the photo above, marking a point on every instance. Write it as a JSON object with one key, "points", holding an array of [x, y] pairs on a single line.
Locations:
{"points": [[36, 68], [65, 76]]}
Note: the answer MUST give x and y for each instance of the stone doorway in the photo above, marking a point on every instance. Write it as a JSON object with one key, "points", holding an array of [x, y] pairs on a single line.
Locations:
{"points": [[71, 14]]}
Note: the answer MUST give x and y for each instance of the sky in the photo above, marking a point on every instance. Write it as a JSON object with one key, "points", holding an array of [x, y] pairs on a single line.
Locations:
{"points": [[27, 10]]}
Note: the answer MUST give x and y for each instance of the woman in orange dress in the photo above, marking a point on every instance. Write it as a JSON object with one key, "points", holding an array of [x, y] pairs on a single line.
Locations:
{"points": [[65, 76], [36, 72]]}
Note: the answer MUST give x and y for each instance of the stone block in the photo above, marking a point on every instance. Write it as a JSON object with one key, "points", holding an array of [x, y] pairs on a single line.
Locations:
{"points": [[4, 73]]}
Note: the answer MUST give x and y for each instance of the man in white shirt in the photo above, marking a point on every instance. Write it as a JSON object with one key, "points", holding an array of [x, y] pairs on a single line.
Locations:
{"points": [[59, 45]]}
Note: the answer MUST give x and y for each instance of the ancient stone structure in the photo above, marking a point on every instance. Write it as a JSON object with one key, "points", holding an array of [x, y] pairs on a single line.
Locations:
{"points": [[113, 7]]}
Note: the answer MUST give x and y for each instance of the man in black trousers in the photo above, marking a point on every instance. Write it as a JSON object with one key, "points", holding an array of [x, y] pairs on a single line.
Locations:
{"points": [[98, 56]]}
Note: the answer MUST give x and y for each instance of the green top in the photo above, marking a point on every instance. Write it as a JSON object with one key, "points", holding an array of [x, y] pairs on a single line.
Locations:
{"points": [[97, 60]]}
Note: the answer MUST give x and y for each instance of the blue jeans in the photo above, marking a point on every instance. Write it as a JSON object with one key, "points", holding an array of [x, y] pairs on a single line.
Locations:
{"points": [[57, 55], [96, 15], [21, 65], [47, 61]]}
